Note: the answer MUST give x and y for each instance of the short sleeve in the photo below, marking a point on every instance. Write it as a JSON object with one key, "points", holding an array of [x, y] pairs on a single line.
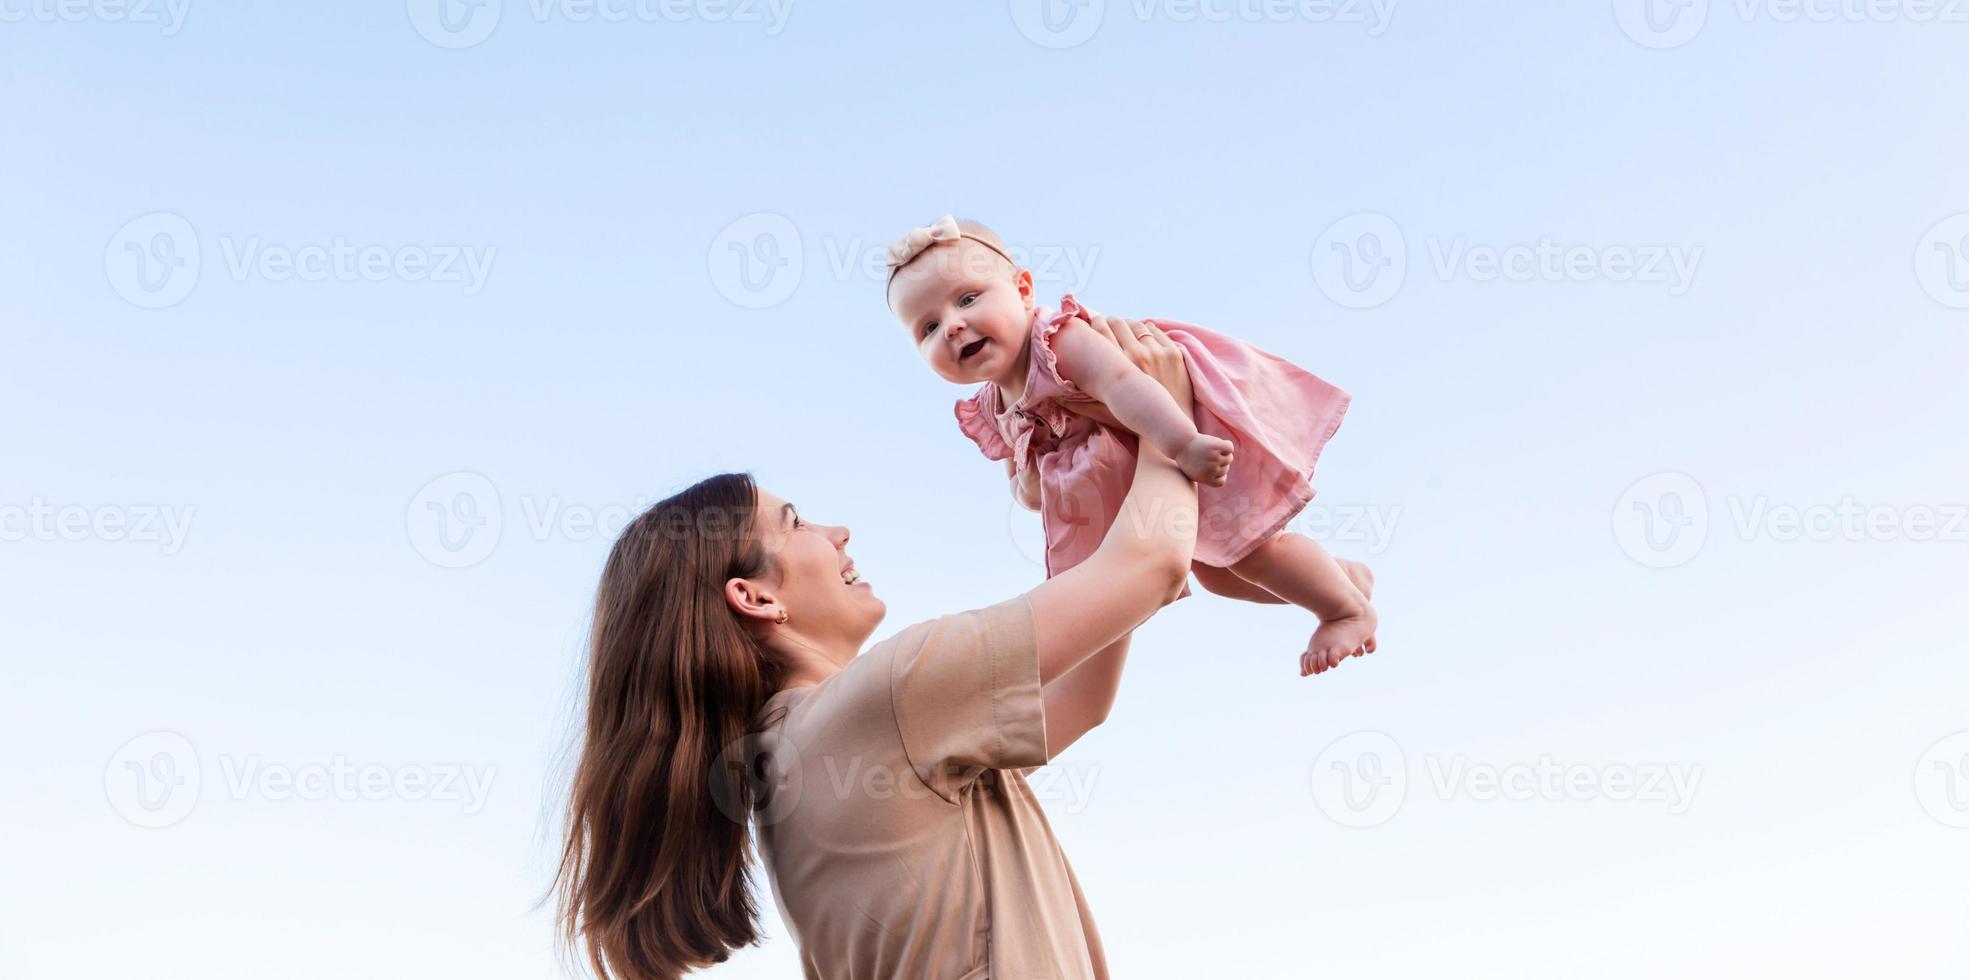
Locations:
{"points": [[967, 695], [976, 416], [1043, 353]]}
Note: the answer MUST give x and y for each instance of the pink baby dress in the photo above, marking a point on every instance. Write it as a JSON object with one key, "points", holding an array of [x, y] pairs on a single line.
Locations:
{"points": [[1278, 416]]}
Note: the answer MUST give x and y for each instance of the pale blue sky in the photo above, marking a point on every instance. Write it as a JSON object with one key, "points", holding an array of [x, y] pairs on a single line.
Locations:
{"points": [[612, 350]]}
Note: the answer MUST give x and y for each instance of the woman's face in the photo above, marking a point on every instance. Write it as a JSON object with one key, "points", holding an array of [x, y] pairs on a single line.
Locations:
{"points": [[812, 577]]}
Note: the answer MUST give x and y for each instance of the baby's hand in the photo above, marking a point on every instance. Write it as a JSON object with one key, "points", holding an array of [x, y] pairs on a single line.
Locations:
{"points": [[1027, 492], [1207, 460]]}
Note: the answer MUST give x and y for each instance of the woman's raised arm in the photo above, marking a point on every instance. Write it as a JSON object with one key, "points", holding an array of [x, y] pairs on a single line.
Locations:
{"points": [[1139, 567]]}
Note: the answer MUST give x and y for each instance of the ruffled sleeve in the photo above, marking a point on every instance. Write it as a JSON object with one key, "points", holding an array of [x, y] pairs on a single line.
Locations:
{"points": [[978, 417], [1043, 355]]}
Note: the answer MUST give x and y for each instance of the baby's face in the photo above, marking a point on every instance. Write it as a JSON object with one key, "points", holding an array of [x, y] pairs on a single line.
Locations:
{"points": [[967, 311]]}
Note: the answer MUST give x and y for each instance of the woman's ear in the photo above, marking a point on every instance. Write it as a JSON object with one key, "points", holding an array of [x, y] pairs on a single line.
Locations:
{"points": [[747, 599]]}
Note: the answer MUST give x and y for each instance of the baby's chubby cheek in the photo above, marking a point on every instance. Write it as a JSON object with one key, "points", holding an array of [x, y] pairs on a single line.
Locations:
{"points": [[943, 367]]}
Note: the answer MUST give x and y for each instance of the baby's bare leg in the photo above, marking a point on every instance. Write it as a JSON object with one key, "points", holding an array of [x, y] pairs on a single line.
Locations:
{"points": [[1295, 568], [1224, 582], [1363, 579]]}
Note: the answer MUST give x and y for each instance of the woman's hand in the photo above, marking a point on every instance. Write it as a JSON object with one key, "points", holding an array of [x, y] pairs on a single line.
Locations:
{"points": [[1203, 458]]}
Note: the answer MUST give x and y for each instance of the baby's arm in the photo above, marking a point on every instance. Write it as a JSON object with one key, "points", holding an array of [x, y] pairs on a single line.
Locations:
{"points": [[1093, 362]]}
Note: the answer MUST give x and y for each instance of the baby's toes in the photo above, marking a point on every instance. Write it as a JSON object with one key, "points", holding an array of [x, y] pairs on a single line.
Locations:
{"points": [[1327, 656]]}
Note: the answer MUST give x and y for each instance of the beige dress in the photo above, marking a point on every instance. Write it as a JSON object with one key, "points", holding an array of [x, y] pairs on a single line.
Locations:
{"points": [[900, 836]]}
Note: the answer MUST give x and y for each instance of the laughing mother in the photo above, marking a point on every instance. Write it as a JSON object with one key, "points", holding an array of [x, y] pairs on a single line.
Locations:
{"points": [[893, 819]]}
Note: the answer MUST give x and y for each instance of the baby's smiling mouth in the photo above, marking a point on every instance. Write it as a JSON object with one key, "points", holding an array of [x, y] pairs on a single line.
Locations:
{"points": [[971, 348]]}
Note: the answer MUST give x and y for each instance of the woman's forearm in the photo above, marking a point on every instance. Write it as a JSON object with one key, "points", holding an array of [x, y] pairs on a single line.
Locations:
{"points": [[1140, 566], [1143, 562], [1155, 532], [1156, 524]]}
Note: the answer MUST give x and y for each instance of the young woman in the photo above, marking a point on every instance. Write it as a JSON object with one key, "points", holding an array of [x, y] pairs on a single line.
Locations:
{"points": [[894, 822]]}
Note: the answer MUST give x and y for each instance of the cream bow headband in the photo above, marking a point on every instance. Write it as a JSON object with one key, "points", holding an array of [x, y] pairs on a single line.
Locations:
{"points": [[904, 250]]}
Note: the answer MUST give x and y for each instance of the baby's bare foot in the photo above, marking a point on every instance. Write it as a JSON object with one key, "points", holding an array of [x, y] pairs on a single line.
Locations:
{"points": [[1336, 640], [1363, 579], [1206, 460]]}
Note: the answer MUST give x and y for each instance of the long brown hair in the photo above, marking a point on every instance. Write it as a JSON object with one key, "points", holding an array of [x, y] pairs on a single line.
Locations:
{"points": [[654, 874]]}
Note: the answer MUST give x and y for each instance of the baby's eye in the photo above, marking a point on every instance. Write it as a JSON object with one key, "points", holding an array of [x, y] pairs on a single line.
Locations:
{"points": [[967, 299], [929, 328]]}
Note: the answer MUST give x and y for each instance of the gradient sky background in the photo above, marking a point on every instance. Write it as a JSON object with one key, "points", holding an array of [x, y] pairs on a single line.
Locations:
{"points": [[616, 351]]}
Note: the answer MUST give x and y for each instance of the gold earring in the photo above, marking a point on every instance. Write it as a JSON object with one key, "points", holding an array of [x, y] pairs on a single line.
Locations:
{"points": [[782, 617]]}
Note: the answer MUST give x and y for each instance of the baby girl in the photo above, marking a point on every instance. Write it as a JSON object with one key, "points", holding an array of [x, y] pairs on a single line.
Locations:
{"points": [[1064, 406]]}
